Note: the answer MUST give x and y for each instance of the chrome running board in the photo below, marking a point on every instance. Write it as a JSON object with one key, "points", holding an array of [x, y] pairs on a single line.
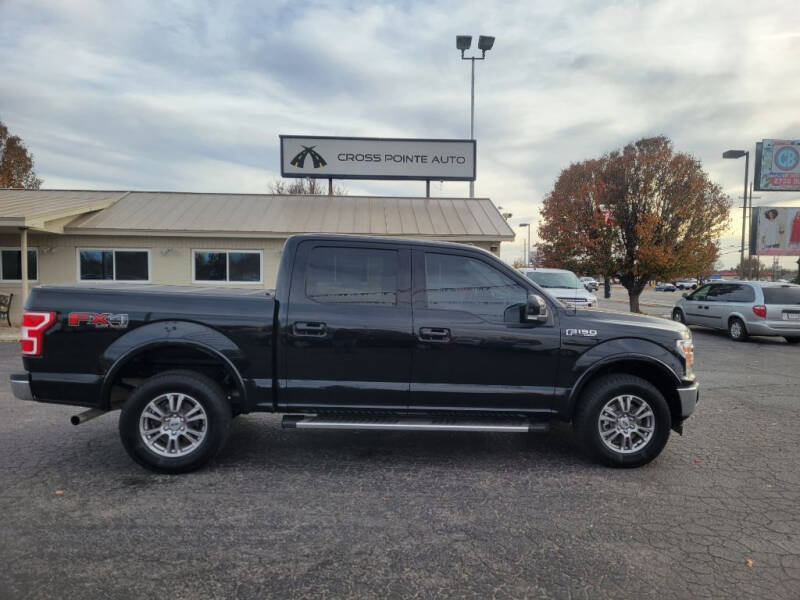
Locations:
{"points": [[412, 423]]}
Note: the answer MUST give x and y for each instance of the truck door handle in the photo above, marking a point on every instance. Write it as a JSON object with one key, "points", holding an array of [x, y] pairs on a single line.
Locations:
{"points": [[434, 334], [306, 329]]}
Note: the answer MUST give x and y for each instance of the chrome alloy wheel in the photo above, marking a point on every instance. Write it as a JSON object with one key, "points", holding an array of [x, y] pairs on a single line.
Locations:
{"points": [[736, 329], [626, 424], [173, 424]]}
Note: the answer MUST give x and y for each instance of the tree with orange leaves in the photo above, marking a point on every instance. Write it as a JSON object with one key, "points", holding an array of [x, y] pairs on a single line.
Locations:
{"points": [[16, 163], [641, 213]]}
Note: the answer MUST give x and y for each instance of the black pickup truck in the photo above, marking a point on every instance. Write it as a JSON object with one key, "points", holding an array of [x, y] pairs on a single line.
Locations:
{"points": [[361, 333]]}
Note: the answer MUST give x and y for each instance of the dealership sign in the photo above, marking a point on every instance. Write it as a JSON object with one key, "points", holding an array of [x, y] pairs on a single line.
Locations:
{"points": [[775, 231], [778, 166], [377, 158]]}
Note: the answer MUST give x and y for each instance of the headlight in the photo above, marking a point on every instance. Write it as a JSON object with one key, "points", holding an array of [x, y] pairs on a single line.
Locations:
{"points": [[686, 350]]}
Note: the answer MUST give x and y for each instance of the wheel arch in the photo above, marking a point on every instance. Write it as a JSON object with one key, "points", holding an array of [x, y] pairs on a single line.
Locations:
{"points": [[656, 372], [179, 336], [735, 315]]}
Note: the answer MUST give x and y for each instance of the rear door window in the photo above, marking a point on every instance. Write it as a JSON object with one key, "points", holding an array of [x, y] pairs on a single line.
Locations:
{"points": [[782, 295], [731, 292], [338, 275]]}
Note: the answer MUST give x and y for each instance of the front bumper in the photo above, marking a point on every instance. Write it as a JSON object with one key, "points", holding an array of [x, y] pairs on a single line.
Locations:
{"points": [[21, 386], [688, 397]]}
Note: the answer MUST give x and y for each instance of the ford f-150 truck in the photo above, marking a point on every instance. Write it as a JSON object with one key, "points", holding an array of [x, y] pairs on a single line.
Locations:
{"points": [[360, 333]]}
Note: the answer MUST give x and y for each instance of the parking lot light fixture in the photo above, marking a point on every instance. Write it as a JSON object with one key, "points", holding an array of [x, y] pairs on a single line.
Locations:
{"points": [[740, 154], [485, 43]]}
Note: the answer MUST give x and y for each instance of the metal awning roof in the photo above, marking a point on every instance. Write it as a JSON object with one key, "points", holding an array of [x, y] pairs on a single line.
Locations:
{"points": [[49, 209], [268, 215]]}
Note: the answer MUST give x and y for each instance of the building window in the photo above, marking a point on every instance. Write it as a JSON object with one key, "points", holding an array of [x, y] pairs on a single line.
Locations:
{"points": [[113, 265], [234, 266], [11, 264]]}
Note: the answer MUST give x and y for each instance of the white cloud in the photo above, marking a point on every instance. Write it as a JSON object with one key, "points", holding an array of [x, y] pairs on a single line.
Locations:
{"points": [[193, 95]]}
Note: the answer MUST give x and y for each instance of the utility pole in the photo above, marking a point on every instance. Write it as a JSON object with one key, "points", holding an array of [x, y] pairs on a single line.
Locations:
{"points": [[749, 213], [739, 154]]}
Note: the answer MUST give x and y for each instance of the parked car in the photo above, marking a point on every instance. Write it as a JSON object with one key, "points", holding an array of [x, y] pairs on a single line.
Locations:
{"points": [[665, 287], [590, 283], [686, 284], [744, 308], [563, 285], [361, 333]]}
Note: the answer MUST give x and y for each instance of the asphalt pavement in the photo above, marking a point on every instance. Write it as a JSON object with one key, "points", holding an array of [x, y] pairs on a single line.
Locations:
{"points": [[337, 514]]}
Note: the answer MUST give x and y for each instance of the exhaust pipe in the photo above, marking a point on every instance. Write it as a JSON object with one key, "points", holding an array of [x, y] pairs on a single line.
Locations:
{"points": [[87, 415]]}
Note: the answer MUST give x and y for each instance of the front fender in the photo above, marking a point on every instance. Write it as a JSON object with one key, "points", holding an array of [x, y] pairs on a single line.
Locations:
{"points": [[173, 333], [616, 351]]}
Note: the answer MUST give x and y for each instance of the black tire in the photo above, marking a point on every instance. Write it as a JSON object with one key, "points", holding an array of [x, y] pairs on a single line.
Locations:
{"points": [[792, 340], [737, 330], [677, 315], [587, 419], [203, 391]]}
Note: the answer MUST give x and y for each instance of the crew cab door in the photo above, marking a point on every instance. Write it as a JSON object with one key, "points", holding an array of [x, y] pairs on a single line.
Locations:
{"points": [[472, 352], [347, 338]]}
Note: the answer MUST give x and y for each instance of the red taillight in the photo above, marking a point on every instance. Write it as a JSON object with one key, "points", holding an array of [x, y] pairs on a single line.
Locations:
{"points": [[34, 324], [760, 311]]}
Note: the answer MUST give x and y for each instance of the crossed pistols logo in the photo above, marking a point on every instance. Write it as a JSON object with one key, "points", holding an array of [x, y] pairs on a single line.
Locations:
{"points": [[299, 160]]}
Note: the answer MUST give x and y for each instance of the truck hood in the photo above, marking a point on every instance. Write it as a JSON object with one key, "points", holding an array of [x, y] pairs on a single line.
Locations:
{"points": [[570, 293], [605, 320]]}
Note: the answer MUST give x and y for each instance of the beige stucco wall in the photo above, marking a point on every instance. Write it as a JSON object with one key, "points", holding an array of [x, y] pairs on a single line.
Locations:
{"points": [[170, 258]]}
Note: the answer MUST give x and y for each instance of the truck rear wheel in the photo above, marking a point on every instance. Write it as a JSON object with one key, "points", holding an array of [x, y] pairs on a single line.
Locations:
{"points": [[175, 422], [623, 421]]}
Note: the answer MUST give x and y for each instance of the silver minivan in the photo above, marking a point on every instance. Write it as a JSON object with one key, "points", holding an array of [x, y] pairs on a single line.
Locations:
{"points": [[744, 308]]}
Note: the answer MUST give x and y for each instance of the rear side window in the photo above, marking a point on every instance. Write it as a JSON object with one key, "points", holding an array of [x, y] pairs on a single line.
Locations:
{"points": [[781, 295], [337, 275], [731, 292]]}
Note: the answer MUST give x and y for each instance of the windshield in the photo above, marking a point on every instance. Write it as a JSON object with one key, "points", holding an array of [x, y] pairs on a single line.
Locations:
{"points": [[546, 279]]}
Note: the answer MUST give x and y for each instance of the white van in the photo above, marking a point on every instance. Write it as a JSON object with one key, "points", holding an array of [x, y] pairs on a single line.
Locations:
{"points": [[563, 285]]}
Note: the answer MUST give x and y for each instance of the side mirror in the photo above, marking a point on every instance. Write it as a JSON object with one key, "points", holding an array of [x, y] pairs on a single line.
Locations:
{"points": [[685, 295], [535, 309]]}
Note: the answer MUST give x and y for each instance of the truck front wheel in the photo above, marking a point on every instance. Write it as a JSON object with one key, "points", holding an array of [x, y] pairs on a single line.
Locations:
{"points": [[175, 422], [623, 421]]}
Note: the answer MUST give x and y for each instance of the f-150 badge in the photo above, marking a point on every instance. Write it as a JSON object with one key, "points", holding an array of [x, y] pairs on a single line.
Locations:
{"points": [[113, 320], [582, 332]]}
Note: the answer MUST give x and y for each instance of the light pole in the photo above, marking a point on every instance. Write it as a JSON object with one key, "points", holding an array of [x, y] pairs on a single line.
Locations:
{"points": [[463, 42], [740, 154], [526, 256]]}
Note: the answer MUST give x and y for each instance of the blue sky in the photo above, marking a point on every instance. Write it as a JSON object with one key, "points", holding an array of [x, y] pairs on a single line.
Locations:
{"points": [[192, 95]]}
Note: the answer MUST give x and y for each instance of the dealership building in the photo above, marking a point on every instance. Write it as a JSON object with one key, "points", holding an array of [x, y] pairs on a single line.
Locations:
{"points": [[235, 240]]}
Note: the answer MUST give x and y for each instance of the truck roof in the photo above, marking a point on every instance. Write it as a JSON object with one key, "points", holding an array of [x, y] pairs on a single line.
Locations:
{"points": [[381, 239]]}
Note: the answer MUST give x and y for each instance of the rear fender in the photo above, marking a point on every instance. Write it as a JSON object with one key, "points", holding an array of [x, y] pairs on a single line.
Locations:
{"points": [[171, 333]]}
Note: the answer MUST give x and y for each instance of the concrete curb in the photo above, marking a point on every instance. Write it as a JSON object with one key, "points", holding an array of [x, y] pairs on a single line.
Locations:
{"points": [[9, 334]]}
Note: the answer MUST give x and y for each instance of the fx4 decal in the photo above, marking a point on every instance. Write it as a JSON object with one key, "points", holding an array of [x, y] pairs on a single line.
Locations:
{"points": [[115, 321], [581, 332]]}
